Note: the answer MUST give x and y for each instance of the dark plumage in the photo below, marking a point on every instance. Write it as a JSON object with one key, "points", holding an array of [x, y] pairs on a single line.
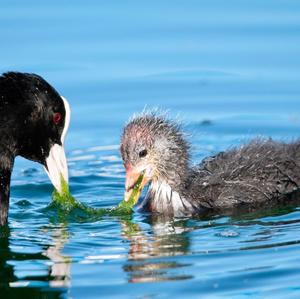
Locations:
{"points": [[261, 173], [34, 120]]}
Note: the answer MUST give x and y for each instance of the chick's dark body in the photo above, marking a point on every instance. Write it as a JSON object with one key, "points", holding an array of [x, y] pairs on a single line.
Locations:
{"points": [[258, 174]]}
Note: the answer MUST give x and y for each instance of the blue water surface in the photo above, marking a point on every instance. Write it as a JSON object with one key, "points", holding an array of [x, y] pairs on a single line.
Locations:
{"points": [[229, 70]]}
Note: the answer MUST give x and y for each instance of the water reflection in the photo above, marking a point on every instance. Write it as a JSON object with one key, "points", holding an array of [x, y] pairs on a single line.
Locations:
{"points": [[164, 239], [53, 269], [6, 270], [158, 250], [60, 270]]}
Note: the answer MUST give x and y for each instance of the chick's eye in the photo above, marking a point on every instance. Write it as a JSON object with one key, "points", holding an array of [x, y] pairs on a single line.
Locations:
{"points": [[56, 117], [143, 153]]}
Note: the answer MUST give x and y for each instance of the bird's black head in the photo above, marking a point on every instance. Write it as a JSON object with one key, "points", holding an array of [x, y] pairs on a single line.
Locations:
{"points": [[153, 145], [34, 120]]}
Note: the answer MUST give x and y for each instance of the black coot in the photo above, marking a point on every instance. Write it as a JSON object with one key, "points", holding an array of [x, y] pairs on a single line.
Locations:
{"points": [[34, 120]]}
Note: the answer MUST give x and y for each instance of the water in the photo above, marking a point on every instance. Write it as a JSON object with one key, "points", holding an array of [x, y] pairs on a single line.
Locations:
{"points": [[228, 69]]}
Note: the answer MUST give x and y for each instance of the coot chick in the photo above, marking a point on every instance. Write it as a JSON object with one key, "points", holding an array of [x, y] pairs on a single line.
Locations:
{"points": [[261, 173], [34, 120]]}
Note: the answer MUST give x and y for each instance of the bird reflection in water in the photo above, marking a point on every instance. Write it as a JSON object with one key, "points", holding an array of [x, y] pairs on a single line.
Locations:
{"points": [[166, 238], [60, 270], [57, 275]]}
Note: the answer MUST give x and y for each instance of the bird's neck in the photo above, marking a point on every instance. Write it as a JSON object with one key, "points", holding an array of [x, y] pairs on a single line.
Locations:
{"points": [[9, 141], [6, 165], [164, 199]]}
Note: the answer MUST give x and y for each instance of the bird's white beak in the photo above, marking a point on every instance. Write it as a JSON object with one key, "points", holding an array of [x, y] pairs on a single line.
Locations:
{"points": [[56, 166], [56, 163]]}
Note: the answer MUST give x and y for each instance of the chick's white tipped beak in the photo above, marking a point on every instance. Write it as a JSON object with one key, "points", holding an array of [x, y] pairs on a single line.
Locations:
{"points": [[56, 166], [131, 180]]}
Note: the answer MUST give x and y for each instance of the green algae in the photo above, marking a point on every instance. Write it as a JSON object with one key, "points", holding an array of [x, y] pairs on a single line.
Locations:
{"points": [[67, 202]]}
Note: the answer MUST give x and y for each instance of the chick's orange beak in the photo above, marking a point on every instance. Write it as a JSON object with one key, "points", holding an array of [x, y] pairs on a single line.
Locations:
{"points": [[132, 177]]}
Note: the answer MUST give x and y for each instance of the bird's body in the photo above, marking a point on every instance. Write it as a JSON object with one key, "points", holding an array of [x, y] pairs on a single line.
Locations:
{"points": [[259, 174], [34, 119]]}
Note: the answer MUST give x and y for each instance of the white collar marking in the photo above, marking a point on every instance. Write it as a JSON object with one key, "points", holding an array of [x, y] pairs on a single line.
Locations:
{"points": [[164, 199], [67, 119]]}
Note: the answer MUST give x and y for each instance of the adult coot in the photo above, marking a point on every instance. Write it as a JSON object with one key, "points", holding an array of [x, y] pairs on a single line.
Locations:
{"points": [[263, 172], [34, 120]]}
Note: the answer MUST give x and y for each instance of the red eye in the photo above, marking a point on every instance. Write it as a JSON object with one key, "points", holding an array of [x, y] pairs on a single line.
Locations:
{"points": [[56, 117]]}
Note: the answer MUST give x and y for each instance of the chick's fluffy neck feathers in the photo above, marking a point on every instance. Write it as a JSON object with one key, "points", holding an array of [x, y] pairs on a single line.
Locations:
{"points": [[162, 198]]}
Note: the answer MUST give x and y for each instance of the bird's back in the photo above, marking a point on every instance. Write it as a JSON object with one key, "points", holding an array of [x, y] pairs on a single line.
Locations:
{"points": [[260, 173]]}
